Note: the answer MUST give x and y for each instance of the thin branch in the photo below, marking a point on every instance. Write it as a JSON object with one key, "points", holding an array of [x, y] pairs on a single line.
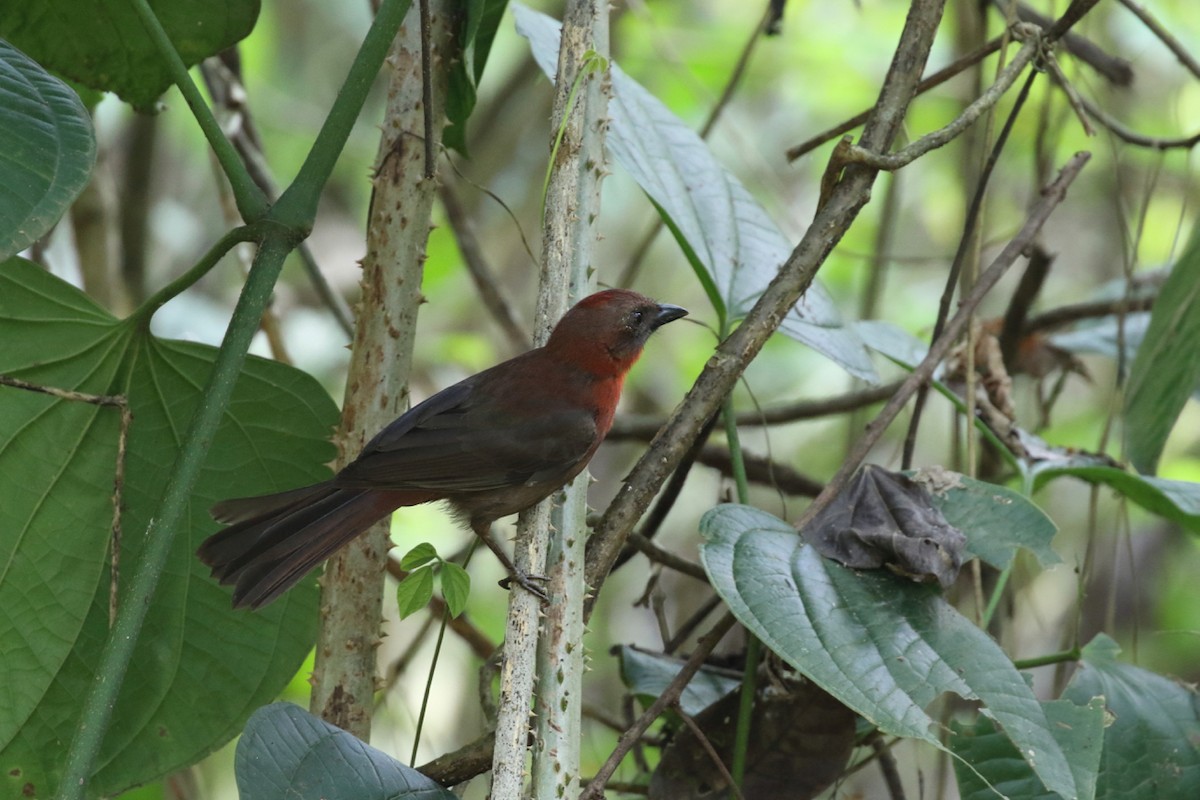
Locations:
{"points": [[485, 279], [1130, 136], [931, 141], [1067, 315], [222, 77], [1052, 196], [667, 558], [1116, 70], [1185, 57], [944, 74], [887, 765], [968, 237], [644, 427], [711, 751], [669, 696], [762, 470]]}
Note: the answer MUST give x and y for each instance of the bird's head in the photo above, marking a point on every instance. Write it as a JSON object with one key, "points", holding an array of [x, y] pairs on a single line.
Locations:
{"points": [[605, 332]]}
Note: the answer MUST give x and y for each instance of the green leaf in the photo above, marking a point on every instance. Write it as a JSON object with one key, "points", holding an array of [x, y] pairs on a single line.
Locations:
{"points": [[732, 244], [997, 521], [989, 764], [882, 645], [48, 154], [1167, 365], [1178, 501], [414, 592], [1152, 748], [288, 753], [647, 674], [419, 556], [200, 667], [103, 44], [456, 587], [479, 30]]}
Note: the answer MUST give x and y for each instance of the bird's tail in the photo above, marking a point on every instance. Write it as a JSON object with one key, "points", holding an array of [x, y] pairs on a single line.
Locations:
{"points": [[274, 540]]}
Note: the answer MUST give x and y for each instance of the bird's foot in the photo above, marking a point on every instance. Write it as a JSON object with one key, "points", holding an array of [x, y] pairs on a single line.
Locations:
{"points": [[527, 582]]}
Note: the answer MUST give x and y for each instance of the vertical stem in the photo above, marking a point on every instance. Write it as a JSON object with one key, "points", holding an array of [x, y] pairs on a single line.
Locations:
{"points": [[114, 660], [399, 221]]}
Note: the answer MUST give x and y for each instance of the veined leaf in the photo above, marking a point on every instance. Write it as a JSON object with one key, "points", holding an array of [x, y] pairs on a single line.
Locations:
{"points": [[200, 667], [732, 244]]}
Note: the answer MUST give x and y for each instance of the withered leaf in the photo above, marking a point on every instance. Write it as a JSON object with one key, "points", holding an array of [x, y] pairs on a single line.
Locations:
{"points": [[885, 519], [800, 741]]}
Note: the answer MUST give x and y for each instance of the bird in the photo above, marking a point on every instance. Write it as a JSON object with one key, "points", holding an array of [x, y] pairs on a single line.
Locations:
{"points": [[493, 444]]}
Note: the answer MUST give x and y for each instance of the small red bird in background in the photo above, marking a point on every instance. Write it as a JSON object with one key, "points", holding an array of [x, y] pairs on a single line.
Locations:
{"points": [[493, 444]]}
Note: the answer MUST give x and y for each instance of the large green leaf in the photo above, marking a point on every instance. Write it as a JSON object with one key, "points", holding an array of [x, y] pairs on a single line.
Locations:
{"points": [[288, 753], [48, 151], [989, 763], [103, 44], [996, 521], [729, 239], [200, 667], [1178, 501], [882, 645], [1152, 748], [1167, 365]]}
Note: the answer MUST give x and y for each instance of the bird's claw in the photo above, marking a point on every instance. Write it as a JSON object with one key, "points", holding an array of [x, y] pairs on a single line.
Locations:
{"points": [[527, 582]]}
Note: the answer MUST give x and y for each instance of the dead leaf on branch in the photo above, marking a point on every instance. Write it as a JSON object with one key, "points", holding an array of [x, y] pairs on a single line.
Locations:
{"points": [[885, 519]]}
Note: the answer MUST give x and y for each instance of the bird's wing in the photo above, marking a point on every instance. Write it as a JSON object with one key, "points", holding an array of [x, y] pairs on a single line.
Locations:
{"points": [[456, 442]]}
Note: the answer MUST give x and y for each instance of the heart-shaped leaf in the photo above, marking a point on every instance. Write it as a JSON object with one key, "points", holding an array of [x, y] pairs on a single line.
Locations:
{"points": [[200, 667]]}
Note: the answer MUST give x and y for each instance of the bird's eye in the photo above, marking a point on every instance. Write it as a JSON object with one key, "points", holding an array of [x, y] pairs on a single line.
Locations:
{"points": [[636, 317]]}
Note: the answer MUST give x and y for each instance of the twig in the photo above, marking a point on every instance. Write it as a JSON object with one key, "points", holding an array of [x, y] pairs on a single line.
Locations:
{"points": [[1130, 136], [763, 470], [222, 78], [732, 356], [669, 696], [644, 427], [887, 765], [1116, 70], [692, 623], [667, 558], [952, 278], [122, 405], [1066, 315], [1186, 58], [713, 755], [1073, 98], [931, 141], [1023, 298], [481, 273], [1052, 195], [936, 79]]}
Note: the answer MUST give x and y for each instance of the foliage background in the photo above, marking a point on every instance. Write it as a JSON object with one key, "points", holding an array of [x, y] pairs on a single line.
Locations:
{"points": [[1131, 209]]}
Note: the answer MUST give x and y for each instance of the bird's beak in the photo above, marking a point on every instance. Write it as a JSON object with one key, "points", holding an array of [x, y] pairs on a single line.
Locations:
{"points": [[668, 313]]}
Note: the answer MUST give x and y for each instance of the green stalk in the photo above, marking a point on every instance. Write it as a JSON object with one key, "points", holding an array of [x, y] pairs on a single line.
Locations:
{"points": [[297, 206], [1053, 658], [114, 660], [244, 233], [251, 202], [741, 742]]}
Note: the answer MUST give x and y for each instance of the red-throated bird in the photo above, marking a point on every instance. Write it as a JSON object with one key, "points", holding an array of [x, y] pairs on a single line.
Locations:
{"points": [[493, 444]]}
